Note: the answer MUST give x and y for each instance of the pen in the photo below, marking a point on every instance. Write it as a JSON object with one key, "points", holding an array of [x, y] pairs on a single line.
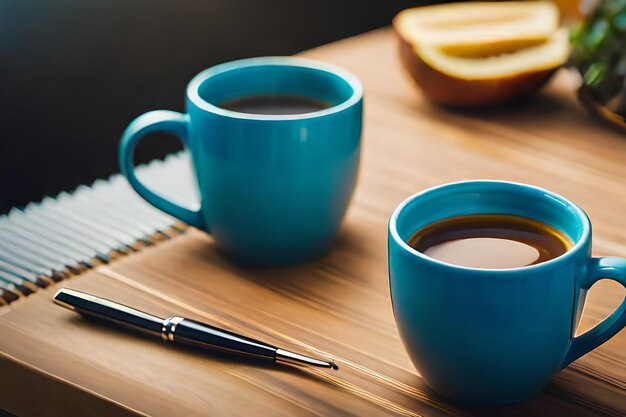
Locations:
{"points": [[181, 330]]}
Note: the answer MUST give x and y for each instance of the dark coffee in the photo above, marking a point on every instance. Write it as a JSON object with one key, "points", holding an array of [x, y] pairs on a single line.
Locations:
{"points": [[490, 241], [274, 104]]}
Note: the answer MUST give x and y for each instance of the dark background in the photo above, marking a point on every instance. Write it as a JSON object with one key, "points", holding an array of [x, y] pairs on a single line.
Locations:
{"points": [[74, 73]]}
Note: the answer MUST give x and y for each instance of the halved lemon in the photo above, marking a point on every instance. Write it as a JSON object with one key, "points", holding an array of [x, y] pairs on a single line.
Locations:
{"points": [[479, 28], [540, 57], [496, 51]]}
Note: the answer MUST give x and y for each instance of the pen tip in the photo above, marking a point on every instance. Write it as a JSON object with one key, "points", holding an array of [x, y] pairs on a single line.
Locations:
{"points": [[285, 356]]}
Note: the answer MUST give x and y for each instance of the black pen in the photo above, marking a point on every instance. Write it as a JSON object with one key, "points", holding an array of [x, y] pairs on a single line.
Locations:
{"points": [[181, 330]]}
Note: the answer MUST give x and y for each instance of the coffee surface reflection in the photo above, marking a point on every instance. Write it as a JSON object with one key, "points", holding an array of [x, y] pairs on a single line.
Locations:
{"points": [[490, 241]]}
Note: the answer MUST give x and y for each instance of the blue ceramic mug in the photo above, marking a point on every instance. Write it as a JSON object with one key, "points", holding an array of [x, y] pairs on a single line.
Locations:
{"points": [[495, 336], [273, 188]]}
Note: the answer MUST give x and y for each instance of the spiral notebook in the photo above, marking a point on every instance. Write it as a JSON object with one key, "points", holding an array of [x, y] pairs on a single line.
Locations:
{"points": [[60, 237]]}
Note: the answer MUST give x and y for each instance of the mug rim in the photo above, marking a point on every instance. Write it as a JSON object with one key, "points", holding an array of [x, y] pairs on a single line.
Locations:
{"points": [[283, 61], [580, 213]]}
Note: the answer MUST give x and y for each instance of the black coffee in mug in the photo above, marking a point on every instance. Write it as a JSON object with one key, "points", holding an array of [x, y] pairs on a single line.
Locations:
{"points": [[274, 104], [490, 241]]}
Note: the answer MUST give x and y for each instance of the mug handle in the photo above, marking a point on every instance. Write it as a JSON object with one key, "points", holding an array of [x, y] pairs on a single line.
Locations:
{"points": [[156, 121], [612, 268]]}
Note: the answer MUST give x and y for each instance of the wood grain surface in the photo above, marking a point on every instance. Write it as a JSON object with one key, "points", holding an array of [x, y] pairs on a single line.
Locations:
{"points": [[54, 363]]}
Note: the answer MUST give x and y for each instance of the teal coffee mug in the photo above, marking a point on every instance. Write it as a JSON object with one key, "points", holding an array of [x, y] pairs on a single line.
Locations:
{"points": [[274, 188], [495, 336]]}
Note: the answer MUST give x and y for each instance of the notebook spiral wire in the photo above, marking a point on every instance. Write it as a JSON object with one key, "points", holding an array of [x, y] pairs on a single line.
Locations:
{"points": [[60, 237]]}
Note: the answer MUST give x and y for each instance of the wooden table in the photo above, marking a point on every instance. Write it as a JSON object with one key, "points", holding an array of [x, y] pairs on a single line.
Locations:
{"points": [[54, 363]]}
